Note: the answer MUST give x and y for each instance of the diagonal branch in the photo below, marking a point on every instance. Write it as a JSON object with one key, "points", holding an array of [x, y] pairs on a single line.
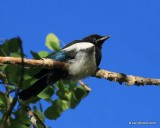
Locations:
{"points": [[34, 118], [12, 105], [111, 76]]}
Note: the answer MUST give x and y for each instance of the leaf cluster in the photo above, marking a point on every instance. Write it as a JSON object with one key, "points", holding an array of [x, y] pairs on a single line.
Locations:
{"points": [[61, 96]]}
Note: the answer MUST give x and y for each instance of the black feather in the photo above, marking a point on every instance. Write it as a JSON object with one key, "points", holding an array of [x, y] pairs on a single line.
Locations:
{"points": [[45, 77]]}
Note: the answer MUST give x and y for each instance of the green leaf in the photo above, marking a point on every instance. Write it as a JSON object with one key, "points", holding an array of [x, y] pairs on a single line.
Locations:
{"points": [[69, 97], [13, 73], [72, 85], [75, 96], [52, 112], [62, 89], [13, 44], [2, 102], [43, 54], [65, 105], [38, 113], [15, 54], [11, 87], [4, 50], [52, 42], [72, 100], [22, 115], [35, 55], [21, 119], [26, 75], [28, 82], [46, 93], [80, 92], [30, 100], [33, 71], [55, 46], [39, 55], [18, 124], [11, 48], [56, 109], [2, 68]]}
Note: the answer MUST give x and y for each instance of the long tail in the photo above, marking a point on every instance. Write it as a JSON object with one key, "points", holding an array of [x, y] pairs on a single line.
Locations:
{"points": [[44, 80]]}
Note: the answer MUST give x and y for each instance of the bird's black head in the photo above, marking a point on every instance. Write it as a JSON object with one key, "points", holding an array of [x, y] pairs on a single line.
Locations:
{"points": [[96, 39]]}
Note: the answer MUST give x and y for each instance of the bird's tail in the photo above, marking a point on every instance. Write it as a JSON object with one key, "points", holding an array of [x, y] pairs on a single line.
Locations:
{"points": [[38, 86], [34, 90]]}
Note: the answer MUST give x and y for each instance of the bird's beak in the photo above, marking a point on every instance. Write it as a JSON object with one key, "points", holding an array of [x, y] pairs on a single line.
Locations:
{"points": [[104, 38]]}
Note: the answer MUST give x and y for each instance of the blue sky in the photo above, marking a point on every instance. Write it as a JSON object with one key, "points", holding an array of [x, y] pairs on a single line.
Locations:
{"points": [[133, 49]]}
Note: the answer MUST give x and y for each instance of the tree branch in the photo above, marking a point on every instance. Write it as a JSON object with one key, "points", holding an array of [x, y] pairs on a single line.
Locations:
{"points": [[7, 99], [11, 107], [127, 79], [34, 118], [84, 86], [111, 76], [45, 63]]}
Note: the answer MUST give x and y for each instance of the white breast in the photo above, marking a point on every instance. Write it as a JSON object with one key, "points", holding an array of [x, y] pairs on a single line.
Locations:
{"points": [[84, 63]]}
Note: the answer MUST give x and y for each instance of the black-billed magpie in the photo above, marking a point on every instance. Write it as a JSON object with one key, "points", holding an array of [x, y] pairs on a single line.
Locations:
{"points": [[84, 57]]}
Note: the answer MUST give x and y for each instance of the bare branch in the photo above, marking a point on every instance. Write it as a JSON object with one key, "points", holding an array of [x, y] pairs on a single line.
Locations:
{"points": [[34, 118], [84, 86], [45, 63], [111, 76], [127, 79], [12, 105], [7, 99]]}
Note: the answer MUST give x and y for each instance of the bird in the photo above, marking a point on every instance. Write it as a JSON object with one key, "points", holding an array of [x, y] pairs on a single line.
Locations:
{"points": [[83, 56]]}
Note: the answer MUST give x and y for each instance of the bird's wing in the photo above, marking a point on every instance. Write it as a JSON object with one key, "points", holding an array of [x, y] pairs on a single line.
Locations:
{"points": [[70, 51], [63, 55]]}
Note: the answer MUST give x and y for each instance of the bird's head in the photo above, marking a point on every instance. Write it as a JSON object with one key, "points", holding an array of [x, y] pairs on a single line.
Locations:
{"points": [[96, 39]]}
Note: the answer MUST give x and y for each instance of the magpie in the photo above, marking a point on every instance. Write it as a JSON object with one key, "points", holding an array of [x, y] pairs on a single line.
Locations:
{"points": [[83, 56]]}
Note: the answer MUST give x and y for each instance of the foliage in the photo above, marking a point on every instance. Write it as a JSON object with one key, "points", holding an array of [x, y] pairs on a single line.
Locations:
{"points": [[61, 96]]}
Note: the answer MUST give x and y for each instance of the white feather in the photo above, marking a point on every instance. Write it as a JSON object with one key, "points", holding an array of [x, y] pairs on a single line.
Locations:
{"points": [[84, 63], [79, 46]]}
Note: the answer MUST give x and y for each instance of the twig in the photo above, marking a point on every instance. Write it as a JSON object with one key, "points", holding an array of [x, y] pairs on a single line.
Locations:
{"points": [[4, 79], [84, 86], [34, 118], [7, 83], [7, 116], [22, 67], [12, 91]]}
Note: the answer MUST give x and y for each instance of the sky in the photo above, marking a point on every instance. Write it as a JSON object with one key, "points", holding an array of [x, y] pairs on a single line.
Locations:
{"points": [[134, 26]]}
